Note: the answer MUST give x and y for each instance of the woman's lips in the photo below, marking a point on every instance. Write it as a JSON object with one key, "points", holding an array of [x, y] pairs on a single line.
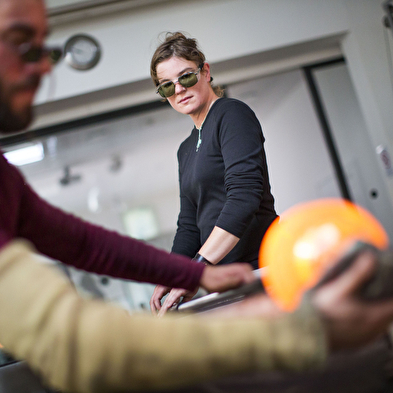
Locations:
{"points": [[184, 100]]}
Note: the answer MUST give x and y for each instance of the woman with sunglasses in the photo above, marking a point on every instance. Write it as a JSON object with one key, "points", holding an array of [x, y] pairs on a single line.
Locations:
{"points": [[225, 198]]}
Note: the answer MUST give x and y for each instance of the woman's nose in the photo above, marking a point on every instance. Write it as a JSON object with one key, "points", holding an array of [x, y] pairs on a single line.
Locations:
{"points": [[178, 87]]}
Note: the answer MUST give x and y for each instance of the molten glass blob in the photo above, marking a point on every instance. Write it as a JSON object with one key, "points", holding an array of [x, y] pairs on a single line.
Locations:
{"points": [[306, 240]]}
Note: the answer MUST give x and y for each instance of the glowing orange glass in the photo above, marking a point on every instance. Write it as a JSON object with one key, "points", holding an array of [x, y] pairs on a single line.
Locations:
{"points": [[307, 239]]}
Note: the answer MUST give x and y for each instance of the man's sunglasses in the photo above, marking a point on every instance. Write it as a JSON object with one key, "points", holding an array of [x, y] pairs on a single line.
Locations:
{"points": [[30, 53], [189, 79]]}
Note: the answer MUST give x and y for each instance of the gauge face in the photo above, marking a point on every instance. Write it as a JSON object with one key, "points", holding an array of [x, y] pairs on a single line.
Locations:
{"points": [[82, 52]]}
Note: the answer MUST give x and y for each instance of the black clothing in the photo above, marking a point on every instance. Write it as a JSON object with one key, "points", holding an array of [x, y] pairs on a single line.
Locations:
{"points": [[225, 183]]}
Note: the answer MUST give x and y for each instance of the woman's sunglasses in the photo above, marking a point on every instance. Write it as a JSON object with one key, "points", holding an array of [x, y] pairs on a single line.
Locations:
{"points": [[189, 79]]}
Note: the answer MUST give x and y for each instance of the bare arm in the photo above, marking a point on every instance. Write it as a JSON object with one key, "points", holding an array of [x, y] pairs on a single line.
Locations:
{"points": [[218, 245]]}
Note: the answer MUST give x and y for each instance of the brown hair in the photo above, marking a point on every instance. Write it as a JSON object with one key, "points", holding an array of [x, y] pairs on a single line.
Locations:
{"points": [[177, 44]]}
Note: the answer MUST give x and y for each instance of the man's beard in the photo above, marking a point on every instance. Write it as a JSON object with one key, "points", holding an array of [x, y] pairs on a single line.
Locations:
{"points": [[11, 120]]}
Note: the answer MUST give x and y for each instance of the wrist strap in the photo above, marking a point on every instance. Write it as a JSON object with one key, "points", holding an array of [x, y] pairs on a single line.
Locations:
{"points": [[201, 259]]}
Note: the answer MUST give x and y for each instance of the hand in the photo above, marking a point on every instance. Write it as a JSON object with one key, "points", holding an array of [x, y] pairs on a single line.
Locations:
{"points": [[174, 298], [155, 301], [351, 321], [223, 278]]}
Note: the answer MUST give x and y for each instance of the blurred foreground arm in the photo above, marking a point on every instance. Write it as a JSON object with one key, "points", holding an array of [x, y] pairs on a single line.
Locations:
{"points": [[82, 345]]}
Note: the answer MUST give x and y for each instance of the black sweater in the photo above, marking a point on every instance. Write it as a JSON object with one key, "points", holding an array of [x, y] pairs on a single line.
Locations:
{"points": [[225, 183]]}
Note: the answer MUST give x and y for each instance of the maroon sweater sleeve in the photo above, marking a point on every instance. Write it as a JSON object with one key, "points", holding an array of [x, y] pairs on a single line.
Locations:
{"points": [[75, 242]]}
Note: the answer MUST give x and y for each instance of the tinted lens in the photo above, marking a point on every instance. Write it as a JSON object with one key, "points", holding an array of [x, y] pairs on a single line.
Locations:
{"points": [[31, 55], [55, 55], [167, 89], [188, 80]]}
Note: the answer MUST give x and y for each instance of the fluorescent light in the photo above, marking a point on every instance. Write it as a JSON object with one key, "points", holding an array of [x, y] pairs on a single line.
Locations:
{"points": [[26, 155]]}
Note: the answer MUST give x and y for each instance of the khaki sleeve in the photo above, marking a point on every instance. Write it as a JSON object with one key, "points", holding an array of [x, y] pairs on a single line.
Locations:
{"points": [[82, 345]]}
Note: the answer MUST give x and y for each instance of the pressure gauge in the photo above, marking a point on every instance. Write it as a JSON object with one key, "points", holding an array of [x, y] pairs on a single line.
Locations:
{"points": [[82, 52]]}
